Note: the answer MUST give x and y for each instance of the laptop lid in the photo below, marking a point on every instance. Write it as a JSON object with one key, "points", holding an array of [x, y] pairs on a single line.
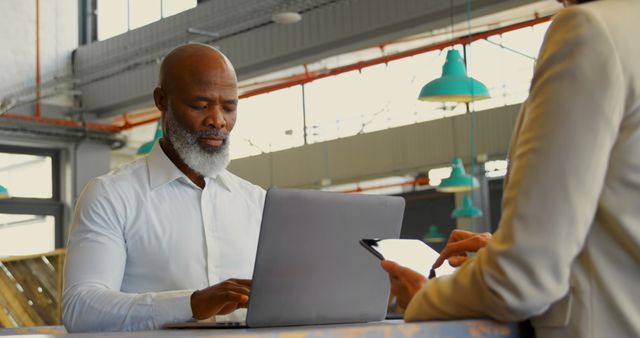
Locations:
{"points": [[310, 268]]}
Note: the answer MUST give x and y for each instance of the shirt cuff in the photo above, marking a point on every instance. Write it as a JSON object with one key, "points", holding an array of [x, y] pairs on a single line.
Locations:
{"points": [[427, 303], [416, 307], [171, 307]]}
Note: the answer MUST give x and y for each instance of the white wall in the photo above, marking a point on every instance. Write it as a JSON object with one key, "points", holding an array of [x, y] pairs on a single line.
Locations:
{"points": [[58, 38]]}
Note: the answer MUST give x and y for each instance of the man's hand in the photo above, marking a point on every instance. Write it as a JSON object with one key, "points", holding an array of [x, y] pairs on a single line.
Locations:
{"points": [[220, 299], [460, 242], [404, 281]]}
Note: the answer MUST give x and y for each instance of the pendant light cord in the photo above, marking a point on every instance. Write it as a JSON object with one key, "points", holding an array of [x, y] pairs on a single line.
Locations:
{"points": [[451, 18], [472, 127]]}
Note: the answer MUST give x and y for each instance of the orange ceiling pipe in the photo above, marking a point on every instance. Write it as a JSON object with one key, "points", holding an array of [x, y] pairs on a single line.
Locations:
{"points": [[130, 125], [309, 76], [113, 128], [38, 107], [63, 122], [124, 122], [312, 76], [417, 181]]}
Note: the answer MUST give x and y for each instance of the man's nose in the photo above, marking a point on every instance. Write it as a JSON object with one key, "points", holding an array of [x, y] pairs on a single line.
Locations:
{"points": [[215, 118]]}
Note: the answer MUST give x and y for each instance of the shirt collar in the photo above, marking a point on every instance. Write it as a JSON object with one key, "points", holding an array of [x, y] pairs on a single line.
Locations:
{"points": [[223, 178], [162, 170]]}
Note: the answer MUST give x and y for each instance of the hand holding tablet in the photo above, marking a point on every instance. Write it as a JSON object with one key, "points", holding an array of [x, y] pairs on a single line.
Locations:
{"points": [[408, 263], [411, 253]]}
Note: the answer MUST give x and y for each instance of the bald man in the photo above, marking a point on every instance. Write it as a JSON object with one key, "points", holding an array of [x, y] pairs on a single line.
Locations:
{"points": [[172, 236]]}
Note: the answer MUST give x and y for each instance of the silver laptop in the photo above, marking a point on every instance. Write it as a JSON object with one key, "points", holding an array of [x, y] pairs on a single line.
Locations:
{"points": [[310, 268]]}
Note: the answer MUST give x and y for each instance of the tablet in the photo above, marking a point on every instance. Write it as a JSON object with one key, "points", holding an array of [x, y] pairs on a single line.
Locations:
{"points": [[411, 253]]}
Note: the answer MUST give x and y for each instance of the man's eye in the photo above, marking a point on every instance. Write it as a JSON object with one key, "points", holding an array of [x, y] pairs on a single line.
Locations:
{"points": [[229, 109], [198, 107]]}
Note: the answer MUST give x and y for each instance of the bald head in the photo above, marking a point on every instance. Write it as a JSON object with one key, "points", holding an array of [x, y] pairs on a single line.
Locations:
{"points": [[193, 62], [197, 94], [195, 72]]}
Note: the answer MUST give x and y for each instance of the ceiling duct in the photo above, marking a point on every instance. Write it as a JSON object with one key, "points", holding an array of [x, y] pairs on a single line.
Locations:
{"points": [[12, 127]]}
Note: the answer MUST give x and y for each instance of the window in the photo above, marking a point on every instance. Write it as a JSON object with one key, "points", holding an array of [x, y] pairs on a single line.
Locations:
{"points": [[268, 123], [171, 7], [31, 220], [112, 18], [115, 17], [144, 12], [26, 175], [375, 98], [26, 234], [383, 96], [494, 169], [436, 175]]}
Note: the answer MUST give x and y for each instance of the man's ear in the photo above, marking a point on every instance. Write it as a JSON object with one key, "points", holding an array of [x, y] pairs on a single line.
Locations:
{"points": [[160, 99]]}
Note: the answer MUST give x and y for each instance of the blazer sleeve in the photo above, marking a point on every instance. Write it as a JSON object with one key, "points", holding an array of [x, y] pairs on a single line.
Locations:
{"points": [[569, 125]]}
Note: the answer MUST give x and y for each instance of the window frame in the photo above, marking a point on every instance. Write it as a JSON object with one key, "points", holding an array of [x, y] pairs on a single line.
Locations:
{"points": [[40, 206], [89, 20]]}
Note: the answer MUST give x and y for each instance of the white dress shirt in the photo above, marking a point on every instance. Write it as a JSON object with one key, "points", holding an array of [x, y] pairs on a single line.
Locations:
{"points": [[567, 251], [144, 238]]}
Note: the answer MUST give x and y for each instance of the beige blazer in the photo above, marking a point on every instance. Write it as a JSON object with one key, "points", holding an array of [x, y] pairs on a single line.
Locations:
{"points": [[567, 252]]}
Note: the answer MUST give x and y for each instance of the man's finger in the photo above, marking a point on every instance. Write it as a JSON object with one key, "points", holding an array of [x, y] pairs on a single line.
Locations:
{"points": [[245, 282], [240, 289], [390, 266], [458, 235], [235, 297], [396, 270], [394, 288], [456, 261], [469, 244], [455, 248], [227, 309], [439, 261]]}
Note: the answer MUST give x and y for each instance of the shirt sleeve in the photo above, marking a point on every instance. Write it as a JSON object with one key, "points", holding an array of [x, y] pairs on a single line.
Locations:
{"points": [[94, 268], [569, 126]]}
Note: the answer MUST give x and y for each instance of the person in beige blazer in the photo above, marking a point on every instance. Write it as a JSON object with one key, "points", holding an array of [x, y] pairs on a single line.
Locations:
{"points": [[567, 251]]}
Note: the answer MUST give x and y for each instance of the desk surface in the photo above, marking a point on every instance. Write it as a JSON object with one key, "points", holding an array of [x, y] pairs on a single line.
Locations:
{"points": [[386, 329]]}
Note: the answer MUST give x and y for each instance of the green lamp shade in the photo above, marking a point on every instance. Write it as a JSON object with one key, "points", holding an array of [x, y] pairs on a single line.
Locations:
{"points": [[4, 193], [459, 181], [434, 235], [466, 210], [148, 146], [454, 85]]}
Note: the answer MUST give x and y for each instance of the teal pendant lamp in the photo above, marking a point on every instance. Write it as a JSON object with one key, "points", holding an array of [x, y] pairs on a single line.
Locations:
{"points": [[148, 146], [466, 210], [434, 235], [4, 192], [454, 85], [458, 181]]}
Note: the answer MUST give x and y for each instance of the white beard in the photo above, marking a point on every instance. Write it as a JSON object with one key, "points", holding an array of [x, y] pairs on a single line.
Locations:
{"points": [[206, 161]]}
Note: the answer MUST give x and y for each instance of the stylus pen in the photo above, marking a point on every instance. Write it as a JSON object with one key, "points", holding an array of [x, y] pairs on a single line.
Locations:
{"points": [[432, 273]]}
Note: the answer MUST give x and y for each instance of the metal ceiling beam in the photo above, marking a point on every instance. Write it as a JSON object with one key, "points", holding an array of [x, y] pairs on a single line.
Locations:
{"points": [[120, 73]]}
